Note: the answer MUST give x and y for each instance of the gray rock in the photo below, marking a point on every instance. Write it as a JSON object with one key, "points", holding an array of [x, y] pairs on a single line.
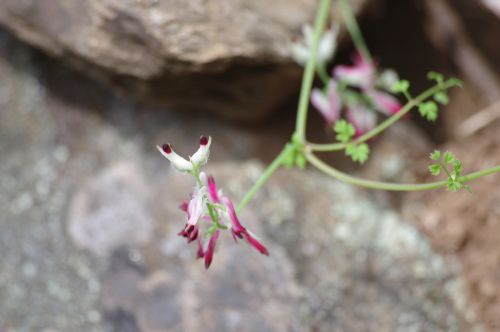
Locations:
{"points": [[340, 259], [229, 57]]}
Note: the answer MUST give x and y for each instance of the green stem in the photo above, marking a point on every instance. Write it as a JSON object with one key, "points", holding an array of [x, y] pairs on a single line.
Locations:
{"points": [[323, 75], [335, 173], [354, 30], [307, 79], [265, 176], [385, 124]]}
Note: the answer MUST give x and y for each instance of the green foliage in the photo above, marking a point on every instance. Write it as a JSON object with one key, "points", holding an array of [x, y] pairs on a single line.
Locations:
{"points": [[435, 155], [442, 98], [359, 153], [451, 166], [401, 86], [432, 75], [428, 110], [448, 157], [344, 130], [435, 169]]}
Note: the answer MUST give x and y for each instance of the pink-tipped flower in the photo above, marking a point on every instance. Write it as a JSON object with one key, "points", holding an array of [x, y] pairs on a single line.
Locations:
{"points": [[208, 211], [384, 102], [361, 74], [209, 252], [198, 159], [328, 104], [241, 232]]}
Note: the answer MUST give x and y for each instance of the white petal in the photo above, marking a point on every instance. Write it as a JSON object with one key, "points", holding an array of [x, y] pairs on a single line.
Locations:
{"points": [[176, 161], [299, 53], [196, 206], [200, 157], [327, 45]]}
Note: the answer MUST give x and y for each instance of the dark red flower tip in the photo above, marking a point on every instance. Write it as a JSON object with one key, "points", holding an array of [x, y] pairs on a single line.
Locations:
{"points": [[166, 148], [203, 140]]}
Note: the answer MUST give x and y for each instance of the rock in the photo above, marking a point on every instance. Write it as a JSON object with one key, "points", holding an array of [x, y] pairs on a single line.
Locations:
{"points": [[467, 224], [228, 57], [340, 258]]}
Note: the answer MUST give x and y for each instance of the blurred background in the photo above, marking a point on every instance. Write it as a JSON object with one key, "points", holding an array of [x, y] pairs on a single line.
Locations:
{"points": [[89, 209]]}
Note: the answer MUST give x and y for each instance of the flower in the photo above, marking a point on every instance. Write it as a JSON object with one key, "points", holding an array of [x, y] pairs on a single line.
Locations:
{"points": [[300, 50], [363, 74], [329, 103], [198, 159], [208, 211]]}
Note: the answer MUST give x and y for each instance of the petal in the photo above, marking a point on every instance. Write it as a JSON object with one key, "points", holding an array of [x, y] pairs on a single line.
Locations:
{"points": [[384, 102], [387, 79], [299, 53], [176, 161], [361, 74], [196, 206], [199, 252], [361, 118], [235, 222], [200, 157], [212, 189], [307, 31], [327, 44], [255, 243], [329, 106], [209, 253]]}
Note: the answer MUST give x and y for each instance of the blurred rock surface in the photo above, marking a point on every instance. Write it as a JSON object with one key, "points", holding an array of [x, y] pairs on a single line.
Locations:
{"points": [[225, 56], [341, 260]]}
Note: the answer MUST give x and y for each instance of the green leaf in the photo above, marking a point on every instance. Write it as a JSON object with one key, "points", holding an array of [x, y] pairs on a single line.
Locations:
{"points": [[345, 131], [456, 82], [454, 185], [428, 110], [401, 86], [442, 98], [300, 161], [435, 155], [457, 167], [358, 153], [432, 75], [448, 157], [435, 169]]}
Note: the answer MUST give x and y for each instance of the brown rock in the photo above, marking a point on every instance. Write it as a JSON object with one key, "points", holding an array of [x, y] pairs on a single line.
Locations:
{"points": [[225, 56]]}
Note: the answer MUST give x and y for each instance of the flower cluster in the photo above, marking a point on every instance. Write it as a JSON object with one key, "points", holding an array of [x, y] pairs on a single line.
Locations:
{"points": [[209, 211], [361, 89]]}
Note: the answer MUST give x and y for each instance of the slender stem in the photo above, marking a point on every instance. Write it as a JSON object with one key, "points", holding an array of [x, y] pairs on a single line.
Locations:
{"points": [[333, 172], [265, 176], [323, 75], [307, 79], [354, 30], [385, 124]]}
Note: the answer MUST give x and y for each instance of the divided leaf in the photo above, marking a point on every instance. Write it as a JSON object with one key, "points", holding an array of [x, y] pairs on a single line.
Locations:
{"points": [[358, 153], [345, 131]]}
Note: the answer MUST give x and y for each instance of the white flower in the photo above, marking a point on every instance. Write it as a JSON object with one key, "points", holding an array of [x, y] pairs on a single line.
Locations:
{"points": [[301, 50], [198, 159]]}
